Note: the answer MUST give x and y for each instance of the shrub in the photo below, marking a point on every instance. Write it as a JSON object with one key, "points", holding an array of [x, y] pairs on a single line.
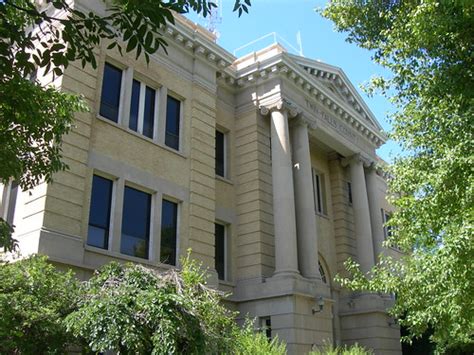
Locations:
{"points": [[34, 298], [249, 342], [355, 349]]}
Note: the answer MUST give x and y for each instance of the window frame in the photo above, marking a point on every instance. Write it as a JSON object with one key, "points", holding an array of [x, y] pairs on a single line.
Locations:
{"points": [[111, 210], [323, 273], [224, 153], [9, 200], [265, 325], [177, 235], [225, 251], [387, 230], [120, 107], [180, 121], [349, 193], [143, 86], [150, 221], [319, 192]]}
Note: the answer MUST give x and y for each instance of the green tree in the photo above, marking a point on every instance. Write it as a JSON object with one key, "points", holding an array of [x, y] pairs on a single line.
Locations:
{"points": [[126, 308], [428, 48], [135, 310], [34, 299], [132, 309], [33, 118]]}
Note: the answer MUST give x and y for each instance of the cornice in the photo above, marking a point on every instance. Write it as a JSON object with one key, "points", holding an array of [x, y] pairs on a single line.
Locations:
{"points": [[195, 39], [283, 66]]}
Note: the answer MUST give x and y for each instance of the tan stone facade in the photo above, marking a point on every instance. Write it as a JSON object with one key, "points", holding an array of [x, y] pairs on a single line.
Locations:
{"points": [[298, 196]]}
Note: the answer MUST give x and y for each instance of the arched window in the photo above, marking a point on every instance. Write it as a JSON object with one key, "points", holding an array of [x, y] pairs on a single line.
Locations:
{"points": [[323, 273]]}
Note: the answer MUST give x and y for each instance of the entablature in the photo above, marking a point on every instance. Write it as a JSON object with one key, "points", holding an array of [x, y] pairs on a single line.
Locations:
{"points": [[282, 65]]}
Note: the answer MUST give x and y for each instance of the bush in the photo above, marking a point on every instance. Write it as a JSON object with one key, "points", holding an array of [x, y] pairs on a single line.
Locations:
{"points": [[132, 309], [34, 299], [249, 342], [128, 309], [355, 349]]}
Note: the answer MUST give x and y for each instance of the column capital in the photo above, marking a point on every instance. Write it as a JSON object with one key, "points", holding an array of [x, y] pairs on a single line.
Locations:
{"points": [[358, 159], [280, 105]]}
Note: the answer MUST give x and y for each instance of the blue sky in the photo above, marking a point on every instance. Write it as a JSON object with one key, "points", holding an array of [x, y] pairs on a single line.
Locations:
{"points": [[319, 41]]}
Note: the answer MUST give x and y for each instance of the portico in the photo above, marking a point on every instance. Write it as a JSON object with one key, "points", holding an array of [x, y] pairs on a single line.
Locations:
{"points": [[326, 202]]}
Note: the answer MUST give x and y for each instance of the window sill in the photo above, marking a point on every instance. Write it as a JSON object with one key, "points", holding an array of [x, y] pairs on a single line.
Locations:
{"points": [[325, 216], [141, 136], [223, 179], [125, 257]]}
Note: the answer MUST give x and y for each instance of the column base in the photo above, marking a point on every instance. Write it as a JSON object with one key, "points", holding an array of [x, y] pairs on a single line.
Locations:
{"points": [[313, 278], [287, 273]]}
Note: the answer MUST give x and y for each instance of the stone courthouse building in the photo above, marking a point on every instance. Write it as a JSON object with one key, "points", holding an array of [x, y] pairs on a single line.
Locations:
{"points": [[264, 165]]}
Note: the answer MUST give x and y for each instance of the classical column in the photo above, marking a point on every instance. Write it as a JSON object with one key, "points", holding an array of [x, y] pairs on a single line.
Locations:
{"points": [[304, 201], [375, 210], [286, 259], [360, 206]]}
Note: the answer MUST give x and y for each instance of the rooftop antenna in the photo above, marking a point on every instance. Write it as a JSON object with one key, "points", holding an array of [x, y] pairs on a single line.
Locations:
{"points": [[215, 18]]}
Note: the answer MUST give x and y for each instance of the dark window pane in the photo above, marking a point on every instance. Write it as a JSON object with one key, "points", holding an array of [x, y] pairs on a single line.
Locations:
{"points": [[169, 219], [220, 152], [322, 273], [318, 194], [349, 192], [110, 97], [149, 114], [134, 104], [220, 250], [135, 223], [12, 202], [99, 213], [266, 327], [173, 108]]}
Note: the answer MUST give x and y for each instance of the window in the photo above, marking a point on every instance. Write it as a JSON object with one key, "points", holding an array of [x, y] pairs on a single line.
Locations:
{"points": [[266, 327], [8, 201], [135, 223], [173, 113], [322, 273], [142, 109], [99, 213], [387, 230], [169, 222], [220, 251], [349, 192], [110, 97], [220, 153], [319, 188]]}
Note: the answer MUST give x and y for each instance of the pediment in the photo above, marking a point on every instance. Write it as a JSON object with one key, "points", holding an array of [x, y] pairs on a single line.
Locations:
{"points": [[336, 82]]}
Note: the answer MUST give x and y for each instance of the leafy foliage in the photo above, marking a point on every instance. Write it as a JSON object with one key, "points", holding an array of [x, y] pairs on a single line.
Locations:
{"points": [[428, 48], [34, 298], [132, 309], [355, 349], [247, 342], [6, 240], [126, 308]]}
